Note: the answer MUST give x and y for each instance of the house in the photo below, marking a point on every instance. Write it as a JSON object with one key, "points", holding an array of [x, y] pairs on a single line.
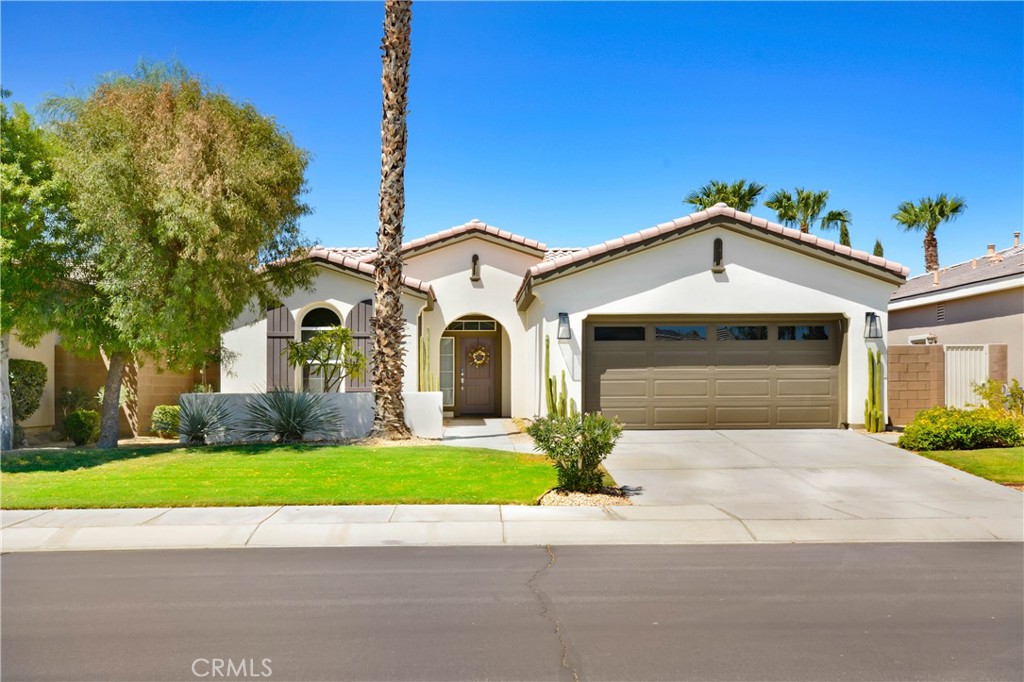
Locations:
{"points": [[716, 320], [957, 326]]}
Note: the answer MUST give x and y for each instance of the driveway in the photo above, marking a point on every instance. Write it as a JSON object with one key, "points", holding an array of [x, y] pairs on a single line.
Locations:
{"points": [[804, 474]]}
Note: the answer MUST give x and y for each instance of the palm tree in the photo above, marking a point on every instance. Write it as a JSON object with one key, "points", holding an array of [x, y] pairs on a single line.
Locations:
{"points": [[927, 215], [741, 195], [388, 321], [840, 219], [799, 211]]}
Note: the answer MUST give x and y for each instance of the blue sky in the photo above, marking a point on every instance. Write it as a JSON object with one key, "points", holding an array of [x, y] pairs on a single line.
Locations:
{"points": [[573, 123]]}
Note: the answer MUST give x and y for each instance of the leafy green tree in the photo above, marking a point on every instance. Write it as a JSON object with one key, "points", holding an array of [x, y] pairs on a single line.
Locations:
{"points": [[741, 195], [799, 210], [388, 322], [879, 251], [331, 353], [840, 219], [189, 202], [35, 249], [926, 216]]}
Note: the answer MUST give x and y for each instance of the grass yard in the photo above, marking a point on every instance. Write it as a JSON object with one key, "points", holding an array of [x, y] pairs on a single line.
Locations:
{"points": [[1002, 465], [173, 476]]}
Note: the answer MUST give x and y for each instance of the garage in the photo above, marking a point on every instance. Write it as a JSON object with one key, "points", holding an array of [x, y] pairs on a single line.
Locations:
{"points": [[687, 373]]}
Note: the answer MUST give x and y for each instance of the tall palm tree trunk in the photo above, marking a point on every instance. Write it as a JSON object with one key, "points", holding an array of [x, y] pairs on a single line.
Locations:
{"points": [[931, 251], [388, 322]]}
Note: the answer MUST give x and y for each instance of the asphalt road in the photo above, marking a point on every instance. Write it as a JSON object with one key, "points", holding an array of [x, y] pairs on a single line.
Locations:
{"points": [[778, 612]]}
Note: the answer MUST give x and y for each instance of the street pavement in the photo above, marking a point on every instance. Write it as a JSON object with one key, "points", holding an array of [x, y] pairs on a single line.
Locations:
{"points": [[949, 611], [688, 487]]}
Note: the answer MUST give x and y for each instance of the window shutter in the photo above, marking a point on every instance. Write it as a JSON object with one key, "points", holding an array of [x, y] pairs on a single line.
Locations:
{"points": [[280, 330], [358, 321]]}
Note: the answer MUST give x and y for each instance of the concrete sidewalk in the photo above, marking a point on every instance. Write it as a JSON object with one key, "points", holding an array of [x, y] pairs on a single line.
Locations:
{"points": [[438, 525]]}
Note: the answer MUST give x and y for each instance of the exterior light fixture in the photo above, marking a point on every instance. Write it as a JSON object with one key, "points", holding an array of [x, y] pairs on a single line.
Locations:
{"points": [[474, 273], [564, 333], [872, 326], [718, 257]]}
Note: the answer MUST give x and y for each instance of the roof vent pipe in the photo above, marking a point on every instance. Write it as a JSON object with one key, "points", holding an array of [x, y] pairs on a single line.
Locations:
{"points": [[1016, 238], [991, 249], [974, 264], [935, 278]]}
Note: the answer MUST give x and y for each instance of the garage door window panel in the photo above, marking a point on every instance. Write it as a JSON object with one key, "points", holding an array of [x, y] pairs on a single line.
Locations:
{"points": [[812, 332], [620, 333], [742, 333], [681, 333]]}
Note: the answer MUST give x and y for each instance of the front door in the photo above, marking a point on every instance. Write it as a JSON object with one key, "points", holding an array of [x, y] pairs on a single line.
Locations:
{"points": [[477, 366]]}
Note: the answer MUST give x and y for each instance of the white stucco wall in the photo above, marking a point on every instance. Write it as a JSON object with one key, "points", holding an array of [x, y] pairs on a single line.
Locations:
{"points": [[448, 268], [42, 418], [675, 278], [331, 288]]}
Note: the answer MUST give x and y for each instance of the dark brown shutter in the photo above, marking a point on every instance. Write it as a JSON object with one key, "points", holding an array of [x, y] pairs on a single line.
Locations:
{"points": [[280, 330], [358, 321]]}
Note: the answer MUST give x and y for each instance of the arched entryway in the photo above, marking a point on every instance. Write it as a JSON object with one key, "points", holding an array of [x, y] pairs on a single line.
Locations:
{"points": [[471, 366]]}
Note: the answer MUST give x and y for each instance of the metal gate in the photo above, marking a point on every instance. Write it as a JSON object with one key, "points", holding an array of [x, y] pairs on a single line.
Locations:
{"points": [[965, 366]]}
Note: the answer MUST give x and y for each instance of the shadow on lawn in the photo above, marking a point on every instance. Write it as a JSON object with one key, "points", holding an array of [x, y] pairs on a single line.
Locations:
{"points": [[74, 458]]}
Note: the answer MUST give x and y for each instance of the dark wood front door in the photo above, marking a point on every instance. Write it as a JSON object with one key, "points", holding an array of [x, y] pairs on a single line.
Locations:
{"points": [[476, 378]]}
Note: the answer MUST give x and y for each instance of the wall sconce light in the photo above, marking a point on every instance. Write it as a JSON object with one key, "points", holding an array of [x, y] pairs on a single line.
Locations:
{"points": [[872, 326], [564, 333], [718, 257], [474, 273]]}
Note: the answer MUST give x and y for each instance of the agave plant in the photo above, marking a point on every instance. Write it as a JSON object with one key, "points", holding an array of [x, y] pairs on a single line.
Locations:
{"points": [[285, 417], [202, 417]]}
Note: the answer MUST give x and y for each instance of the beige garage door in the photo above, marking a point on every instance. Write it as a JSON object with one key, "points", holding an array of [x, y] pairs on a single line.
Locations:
{"points": [[654, 374]]}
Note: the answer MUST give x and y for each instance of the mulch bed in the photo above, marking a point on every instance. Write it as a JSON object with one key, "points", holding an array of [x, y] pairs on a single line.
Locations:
{"points": [[608, 497]]}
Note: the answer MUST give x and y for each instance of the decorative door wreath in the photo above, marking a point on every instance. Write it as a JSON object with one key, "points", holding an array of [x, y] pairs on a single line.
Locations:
{"points": [[479, 356]]}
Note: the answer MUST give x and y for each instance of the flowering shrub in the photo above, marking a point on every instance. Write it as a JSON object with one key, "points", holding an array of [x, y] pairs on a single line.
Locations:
{"points": [[576, 445], [950, 428]]}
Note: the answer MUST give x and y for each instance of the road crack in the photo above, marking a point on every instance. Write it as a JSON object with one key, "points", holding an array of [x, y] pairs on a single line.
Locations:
{"points": [[547, 613]]}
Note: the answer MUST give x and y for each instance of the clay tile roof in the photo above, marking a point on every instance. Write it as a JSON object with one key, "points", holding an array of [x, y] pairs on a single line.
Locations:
{"points": [[1005, 263], [473, 226], [342, 259], [567, 258]]}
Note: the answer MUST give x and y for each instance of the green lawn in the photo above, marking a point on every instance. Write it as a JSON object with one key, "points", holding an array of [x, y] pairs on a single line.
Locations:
{"points": [[1002, 465], [267, 474]]}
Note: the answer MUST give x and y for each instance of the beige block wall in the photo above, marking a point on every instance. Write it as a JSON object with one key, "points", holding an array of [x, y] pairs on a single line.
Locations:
{"points": [[916, 380], [150, 386], [43, 418]]}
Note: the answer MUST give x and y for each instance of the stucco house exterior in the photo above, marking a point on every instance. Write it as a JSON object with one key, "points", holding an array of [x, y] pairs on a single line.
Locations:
{"points": [[719, 319], [965, 322]]}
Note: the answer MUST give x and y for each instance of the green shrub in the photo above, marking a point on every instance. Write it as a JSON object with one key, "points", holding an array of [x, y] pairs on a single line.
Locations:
{"points": [[166, 420], [949, 428], [83, 426], [201, 417], [286, 417], [19, 436], [576, 445], [28, 379]]}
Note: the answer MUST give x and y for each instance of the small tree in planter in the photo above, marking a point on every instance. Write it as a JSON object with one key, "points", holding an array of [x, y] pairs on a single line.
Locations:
{"points": [[576, 445], [331, 353]]}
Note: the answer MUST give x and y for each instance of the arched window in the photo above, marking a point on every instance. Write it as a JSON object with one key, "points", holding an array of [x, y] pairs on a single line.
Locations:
{"points": [[314, 322]]}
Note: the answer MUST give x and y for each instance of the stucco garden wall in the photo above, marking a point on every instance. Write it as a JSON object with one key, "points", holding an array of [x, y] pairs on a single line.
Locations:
{"points": [[355, 412]]}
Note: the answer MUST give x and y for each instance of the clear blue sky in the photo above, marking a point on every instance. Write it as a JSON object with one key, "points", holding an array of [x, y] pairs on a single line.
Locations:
{"points": [[573, 123]]}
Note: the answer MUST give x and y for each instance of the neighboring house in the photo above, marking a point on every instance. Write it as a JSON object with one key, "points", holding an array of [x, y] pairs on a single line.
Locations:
{"points": [[965, 323], [65, 371], [716, 320]]}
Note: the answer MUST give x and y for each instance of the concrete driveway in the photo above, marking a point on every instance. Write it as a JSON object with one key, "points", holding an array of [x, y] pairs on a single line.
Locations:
{"points": [[783, 476]]}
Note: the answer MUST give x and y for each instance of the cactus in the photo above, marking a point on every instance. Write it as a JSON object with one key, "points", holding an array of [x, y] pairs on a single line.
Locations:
{"points": [[428, 381], [559, 404], [874, 422]]}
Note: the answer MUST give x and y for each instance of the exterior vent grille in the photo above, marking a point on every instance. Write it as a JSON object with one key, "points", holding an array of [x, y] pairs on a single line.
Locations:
{"points": [[940, 313]]}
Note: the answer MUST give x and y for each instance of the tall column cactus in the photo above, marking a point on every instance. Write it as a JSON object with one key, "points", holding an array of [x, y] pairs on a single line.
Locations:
{"points": [[559, 404], [874, 421]]}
